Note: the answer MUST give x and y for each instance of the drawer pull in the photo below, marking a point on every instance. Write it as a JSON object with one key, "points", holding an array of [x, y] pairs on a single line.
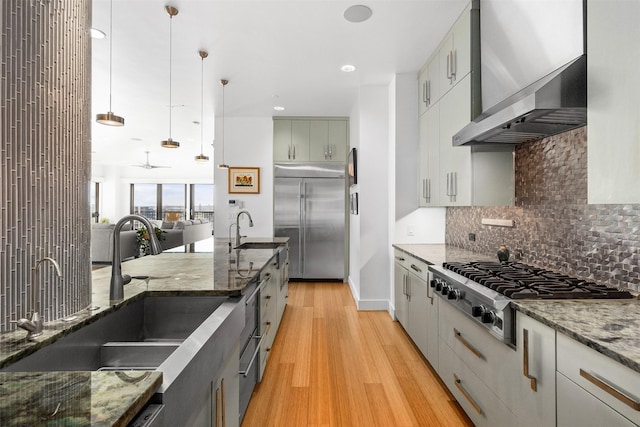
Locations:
{"points": [[466, 394], [464, 342], [525, 360], [399, 258], [416, 268], [611, 390]]}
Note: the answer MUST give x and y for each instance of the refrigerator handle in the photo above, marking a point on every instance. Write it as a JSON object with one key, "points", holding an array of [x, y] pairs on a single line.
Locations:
{"points": [[301, 212]]}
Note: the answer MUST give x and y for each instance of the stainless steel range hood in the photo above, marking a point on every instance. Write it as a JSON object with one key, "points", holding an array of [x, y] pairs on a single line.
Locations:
{"points": [[556, 103]]}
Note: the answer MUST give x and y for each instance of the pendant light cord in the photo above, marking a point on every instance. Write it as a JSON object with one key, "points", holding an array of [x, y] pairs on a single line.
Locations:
{"points": [[170, 56], [201, 103], [110, 50]]}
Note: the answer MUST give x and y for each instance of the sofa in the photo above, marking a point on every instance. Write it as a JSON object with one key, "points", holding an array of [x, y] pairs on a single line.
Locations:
{"points": [[175, 233]]}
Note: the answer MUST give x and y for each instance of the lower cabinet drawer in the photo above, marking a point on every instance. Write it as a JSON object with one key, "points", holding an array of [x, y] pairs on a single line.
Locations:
{"points": [[477, 400], [609, 381], [577, 407]]}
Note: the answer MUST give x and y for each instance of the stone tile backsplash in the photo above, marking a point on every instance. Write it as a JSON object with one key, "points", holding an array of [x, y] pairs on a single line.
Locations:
{"points": [[554, 227]]}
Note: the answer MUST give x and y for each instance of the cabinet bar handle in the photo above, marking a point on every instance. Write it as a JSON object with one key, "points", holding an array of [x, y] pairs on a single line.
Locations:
{"points": [[428, 83], [449, 66], [217, 407], [424, 92], [525, 360], [294, 152], [464, 342], [255, 354], [466, 394], [453, 65], [289, 152], [611, 390], [224, 418], [429, 190], [399, 258], [404, 284], [424, 189], [416, 268]]}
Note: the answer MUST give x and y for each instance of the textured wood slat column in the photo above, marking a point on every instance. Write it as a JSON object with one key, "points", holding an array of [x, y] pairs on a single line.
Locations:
{"points": [[45, 163], [362, 369]]}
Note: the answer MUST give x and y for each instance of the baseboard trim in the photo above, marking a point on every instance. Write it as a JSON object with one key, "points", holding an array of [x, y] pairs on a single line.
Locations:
{"points": [[368, 305]]}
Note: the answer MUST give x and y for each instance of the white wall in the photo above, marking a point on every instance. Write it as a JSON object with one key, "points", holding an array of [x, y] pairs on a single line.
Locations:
{"points": [[248, 142], [369, 251]]}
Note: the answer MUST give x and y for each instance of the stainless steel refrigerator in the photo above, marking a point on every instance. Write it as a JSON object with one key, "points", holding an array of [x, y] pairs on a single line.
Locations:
{"points": [[309, 208]]}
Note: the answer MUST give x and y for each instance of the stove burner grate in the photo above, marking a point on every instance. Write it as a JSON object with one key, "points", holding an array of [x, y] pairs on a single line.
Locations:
{"points": [[521, 281]]}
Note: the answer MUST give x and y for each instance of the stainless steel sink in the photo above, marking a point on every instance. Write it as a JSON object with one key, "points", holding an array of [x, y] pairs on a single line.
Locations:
{"points": [[143, 333], [259, 245]]}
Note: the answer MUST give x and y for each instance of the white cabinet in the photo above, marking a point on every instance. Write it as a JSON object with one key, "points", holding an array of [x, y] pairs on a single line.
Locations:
{"points": [[268, 314], [613, 37], [533, 398], [282, 284], [413, 301], [429, 85], [429, 134], [594, 390], [310, 139], [455, 52], [458, 176]]}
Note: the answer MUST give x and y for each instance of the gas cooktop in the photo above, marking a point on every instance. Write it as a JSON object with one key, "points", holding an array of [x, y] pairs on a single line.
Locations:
{"points": [[521, 281]]}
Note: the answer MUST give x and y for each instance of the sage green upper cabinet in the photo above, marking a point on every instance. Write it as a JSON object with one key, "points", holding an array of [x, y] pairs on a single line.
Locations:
{"points": [[613, 88], [282, 140], [310, 140]]}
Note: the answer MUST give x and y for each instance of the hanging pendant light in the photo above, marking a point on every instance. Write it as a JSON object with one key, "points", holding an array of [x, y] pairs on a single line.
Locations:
{"points": [[109, 118], [223, 165], [201, 157], [170, 143]]}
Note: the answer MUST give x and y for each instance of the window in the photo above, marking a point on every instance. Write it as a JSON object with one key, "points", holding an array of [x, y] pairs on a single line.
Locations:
{"points": [[202, 201], [174, 201], [144, 200]]}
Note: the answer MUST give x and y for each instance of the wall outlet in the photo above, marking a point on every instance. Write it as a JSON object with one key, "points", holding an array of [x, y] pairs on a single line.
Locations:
{"points": [[472, 237], [411, 230]]}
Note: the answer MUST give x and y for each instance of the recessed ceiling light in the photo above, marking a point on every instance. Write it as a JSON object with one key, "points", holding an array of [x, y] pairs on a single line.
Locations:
{"points": [[97, 34], [278, 108], [357, 13], [348, 68]]}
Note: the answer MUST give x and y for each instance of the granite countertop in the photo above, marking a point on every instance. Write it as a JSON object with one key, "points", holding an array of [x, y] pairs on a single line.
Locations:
{"points": [[219, 274], [611, 327], [437, 254]]}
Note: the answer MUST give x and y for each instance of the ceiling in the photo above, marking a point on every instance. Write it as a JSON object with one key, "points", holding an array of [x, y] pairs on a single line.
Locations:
{"points": [[274, 53]]}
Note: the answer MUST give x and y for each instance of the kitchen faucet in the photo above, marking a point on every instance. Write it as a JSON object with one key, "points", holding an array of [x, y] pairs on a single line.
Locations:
{"points": [[33, 325], [116, 287], [238, 236]]}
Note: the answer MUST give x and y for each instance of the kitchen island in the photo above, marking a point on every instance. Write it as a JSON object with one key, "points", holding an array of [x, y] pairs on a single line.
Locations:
{"points": [[109, 397]]}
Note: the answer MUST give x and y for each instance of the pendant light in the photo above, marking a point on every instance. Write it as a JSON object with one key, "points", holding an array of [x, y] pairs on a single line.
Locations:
{"points": [[170, 143], [201, 157], [223, 165], [109, 118]]}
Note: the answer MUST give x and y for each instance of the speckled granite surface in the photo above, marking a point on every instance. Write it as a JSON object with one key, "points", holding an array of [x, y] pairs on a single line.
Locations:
{"points": [[436, 254], [74, 398], [611, 327], [112, 401]]}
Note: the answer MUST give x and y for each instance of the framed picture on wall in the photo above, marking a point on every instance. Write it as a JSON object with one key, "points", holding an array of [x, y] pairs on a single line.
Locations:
{"points": [[352, 167], [244, 180]]}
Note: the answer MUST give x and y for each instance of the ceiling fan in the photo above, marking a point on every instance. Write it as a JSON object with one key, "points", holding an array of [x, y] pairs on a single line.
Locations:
{"points": [[148, 165]]}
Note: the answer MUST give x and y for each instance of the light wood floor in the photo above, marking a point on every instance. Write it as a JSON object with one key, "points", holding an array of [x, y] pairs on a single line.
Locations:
{"points": [[332, 365]]}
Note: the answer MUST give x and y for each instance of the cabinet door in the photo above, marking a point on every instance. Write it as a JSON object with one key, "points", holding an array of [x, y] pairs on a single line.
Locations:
{"points": [[613, 134], [428, 186], [282, 140], [318, 140], [432, 326], [338, 140], [533, 398], [446, 58], [462, 46], [400, 275], [417, 314], [300, 140], [455, 162], [429, 84], [577, 407]]}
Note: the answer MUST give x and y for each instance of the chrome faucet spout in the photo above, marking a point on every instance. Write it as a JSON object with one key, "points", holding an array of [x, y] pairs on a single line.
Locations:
{"points": [[33, 324], [118, 280], [238, 236]]}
